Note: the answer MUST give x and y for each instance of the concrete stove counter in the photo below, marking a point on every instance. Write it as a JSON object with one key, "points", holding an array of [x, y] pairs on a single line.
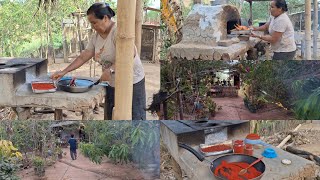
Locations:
{"points": [[84, 102], [193, 51], [275, 170]]}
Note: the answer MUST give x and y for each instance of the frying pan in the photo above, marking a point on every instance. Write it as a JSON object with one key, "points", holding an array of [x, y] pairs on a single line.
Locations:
{"points": [[260, 166], [82, 85]]}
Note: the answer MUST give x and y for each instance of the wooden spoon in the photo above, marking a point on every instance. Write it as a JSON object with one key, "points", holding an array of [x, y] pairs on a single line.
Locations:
{"points": [[243, 171]]}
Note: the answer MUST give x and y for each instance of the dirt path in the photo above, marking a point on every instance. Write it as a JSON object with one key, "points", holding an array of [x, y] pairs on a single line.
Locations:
{"points": [[84, 169], [234, 109]]}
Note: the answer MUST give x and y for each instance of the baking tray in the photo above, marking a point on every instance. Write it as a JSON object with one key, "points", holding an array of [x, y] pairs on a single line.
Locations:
{"points": [[216, 152], [244, 32], [43, 91]]}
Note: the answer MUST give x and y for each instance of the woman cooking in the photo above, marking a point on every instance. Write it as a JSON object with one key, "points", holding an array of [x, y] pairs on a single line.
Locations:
{"points": [[281, 32], [102, 47]]}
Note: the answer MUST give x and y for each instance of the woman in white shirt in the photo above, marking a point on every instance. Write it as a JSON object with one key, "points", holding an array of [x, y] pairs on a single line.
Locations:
{"points": [[102, 47], [281, 32]]}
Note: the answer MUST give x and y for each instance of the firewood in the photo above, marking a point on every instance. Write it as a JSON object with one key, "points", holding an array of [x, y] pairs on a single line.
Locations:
{"points": [[288, 137]]}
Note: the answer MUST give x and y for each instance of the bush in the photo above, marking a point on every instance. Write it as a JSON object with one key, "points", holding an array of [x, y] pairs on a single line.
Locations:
{"points": [[8, 169], [39, 165]]}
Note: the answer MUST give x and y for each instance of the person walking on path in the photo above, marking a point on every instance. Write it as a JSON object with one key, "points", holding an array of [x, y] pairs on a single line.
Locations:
{"points": [[73, 147]]}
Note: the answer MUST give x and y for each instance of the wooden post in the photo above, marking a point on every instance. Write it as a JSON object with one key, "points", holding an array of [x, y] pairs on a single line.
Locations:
{"points": [[58, 115], [124, 59], [250, 20], [139, 12], [180, 104], [307, 30], [315, 29], [154, 47]]}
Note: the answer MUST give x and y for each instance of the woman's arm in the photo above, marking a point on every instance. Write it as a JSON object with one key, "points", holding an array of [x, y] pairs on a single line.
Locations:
{"points": [[275, 37], [107, 73], [262, 28], [79, 61]]}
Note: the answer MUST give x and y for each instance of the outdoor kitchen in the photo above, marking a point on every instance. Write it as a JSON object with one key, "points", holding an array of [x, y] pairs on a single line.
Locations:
{"points": [[222, 149], [215, 33], [26, 84]]}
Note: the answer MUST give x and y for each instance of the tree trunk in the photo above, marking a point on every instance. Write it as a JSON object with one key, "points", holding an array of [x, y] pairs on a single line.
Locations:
{"points": [[307, 30], [138, 30], [79, 32], [315, 29], [47, 27], [65, 45], [124, 63]]}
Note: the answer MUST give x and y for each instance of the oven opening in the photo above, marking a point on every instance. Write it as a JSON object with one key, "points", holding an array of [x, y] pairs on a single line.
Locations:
{"points": [[231, 25]]}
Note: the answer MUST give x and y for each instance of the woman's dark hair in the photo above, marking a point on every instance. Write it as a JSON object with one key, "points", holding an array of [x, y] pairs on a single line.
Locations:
{"points": [[100, 10], [72, 135], [281, 4]]}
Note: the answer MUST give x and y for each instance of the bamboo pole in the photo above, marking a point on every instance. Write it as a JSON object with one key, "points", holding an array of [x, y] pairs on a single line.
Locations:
{"points": [[124, 59], [288, 137], [139, 14], [315, 28], [307, 30]]}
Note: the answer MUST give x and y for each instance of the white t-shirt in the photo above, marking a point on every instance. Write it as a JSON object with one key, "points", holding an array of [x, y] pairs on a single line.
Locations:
{"points": [[105, 54], [283, 24]]}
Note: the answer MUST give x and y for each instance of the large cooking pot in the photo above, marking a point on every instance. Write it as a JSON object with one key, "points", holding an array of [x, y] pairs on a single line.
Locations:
{"points": [[81, 85], [260, 166]]}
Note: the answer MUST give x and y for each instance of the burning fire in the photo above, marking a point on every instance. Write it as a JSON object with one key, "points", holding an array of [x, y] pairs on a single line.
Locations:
{"points": [[239, 28]]}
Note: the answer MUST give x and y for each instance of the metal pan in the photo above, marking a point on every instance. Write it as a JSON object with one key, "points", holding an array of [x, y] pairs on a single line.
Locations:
{"points": [[206, 154], [260, 166], [82, 85]]}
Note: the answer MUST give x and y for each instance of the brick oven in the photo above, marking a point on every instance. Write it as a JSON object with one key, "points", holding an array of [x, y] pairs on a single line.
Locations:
{"points": [[207, 35]]}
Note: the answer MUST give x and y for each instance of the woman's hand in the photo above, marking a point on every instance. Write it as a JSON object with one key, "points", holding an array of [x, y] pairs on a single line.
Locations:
{"points": [[106, 75], [254, 35], [57, 75]]}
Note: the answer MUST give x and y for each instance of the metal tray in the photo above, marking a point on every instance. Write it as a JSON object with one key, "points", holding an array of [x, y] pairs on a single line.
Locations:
{"points": [[43, 91], [244, 32], [216, 152]]}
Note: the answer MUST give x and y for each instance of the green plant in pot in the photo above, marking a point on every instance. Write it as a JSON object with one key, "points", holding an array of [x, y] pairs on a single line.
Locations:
{"points": [[39, 166]]}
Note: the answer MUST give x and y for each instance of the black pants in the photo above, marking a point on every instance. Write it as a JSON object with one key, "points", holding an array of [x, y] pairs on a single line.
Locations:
{"points": [[283, 55], [138, 101], [73, 153]]}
